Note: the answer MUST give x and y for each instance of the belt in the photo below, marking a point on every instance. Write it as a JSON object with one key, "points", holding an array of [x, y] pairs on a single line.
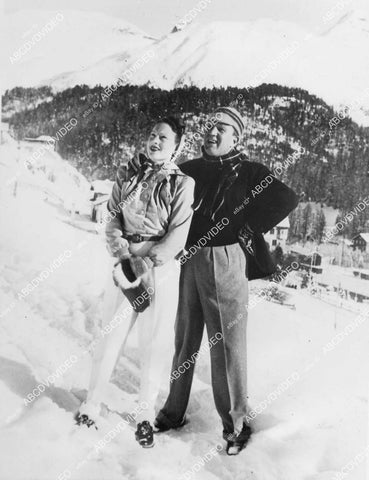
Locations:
{"points": [[137, 238]]}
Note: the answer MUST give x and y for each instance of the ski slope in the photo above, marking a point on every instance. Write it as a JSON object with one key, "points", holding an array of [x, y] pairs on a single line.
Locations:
{"points": [[309, 432]]}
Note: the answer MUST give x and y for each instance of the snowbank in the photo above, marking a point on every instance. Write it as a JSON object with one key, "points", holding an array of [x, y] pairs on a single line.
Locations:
{"points": [[309, 430]]}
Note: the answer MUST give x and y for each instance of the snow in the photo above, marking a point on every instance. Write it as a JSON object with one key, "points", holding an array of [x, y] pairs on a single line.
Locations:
{"points": [[57, 178], [310, 431], [365, 236], [77, 40], [285, 223], [102, 186]]}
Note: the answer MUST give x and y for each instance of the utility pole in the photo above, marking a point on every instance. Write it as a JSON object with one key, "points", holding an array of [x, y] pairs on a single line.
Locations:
{"points": [[341, 257], [16, 178]]}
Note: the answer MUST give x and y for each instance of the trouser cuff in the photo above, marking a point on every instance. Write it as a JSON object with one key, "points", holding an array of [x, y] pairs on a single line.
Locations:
{"points": [[162, 418]]}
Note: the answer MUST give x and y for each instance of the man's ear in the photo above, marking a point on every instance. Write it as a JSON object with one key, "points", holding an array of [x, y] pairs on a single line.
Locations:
{"points": [[236, 139]]}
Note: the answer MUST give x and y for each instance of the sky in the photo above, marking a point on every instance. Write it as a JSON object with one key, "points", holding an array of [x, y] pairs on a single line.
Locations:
{"points": [[157, 17]]}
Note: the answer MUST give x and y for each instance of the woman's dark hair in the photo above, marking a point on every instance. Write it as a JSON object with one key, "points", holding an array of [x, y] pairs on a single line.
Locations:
{"points": [[176, 124]]}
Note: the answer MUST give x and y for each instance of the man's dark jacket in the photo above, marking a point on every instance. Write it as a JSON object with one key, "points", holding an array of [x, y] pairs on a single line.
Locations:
{"points": [[256, 199]]}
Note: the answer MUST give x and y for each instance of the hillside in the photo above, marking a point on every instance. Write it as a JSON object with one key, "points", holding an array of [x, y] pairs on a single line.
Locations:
{"points": [[334, 168]]}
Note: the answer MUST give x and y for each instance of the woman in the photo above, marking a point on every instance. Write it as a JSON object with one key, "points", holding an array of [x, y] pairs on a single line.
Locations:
{"points": [[151, 204]]}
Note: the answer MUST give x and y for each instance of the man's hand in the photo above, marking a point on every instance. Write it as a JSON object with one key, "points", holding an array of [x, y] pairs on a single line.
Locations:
{"points": [[140, 265], [245, 236], [158, 255]]}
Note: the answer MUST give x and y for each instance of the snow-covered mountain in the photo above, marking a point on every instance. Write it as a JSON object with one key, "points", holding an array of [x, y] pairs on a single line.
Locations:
{"points": [[330, 62], [71, 41]]}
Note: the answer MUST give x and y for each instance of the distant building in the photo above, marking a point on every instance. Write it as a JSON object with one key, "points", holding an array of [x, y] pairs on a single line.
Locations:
{"points": [[361, 273], [307, 254], [99, 208], [50, 141], [361, 242], [101, 192], [278, 235], [308, 260]]}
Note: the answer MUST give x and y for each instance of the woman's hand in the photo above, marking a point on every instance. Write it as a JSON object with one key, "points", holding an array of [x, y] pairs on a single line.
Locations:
{"points": [[119, 247]]}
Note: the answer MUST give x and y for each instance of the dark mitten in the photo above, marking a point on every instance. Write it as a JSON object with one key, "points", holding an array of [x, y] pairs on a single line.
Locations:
{"points": [[135, 289]]}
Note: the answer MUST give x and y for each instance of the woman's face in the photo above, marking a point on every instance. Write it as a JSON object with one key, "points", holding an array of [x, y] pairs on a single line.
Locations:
{"points": [[161, 143]]}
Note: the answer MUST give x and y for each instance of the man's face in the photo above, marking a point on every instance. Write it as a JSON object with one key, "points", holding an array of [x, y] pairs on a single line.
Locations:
{"points": [[162, 143], [220, 139]]}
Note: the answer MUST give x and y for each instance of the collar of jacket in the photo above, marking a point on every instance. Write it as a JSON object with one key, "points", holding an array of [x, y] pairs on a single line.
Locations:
{"points": [[140, 163], [230, 157]]}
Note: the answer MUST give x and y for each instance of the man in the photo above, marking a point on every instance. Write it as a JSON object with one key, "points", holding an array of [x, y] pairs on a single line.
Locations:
{"points": [[236, 201]]}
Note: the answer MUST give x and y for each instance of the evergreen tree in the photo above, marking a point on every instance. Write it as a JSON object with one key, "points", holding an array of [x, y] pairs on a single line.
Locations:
{"points": [[318, 226], [278, 255], [306, 221], [279, 119]]}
